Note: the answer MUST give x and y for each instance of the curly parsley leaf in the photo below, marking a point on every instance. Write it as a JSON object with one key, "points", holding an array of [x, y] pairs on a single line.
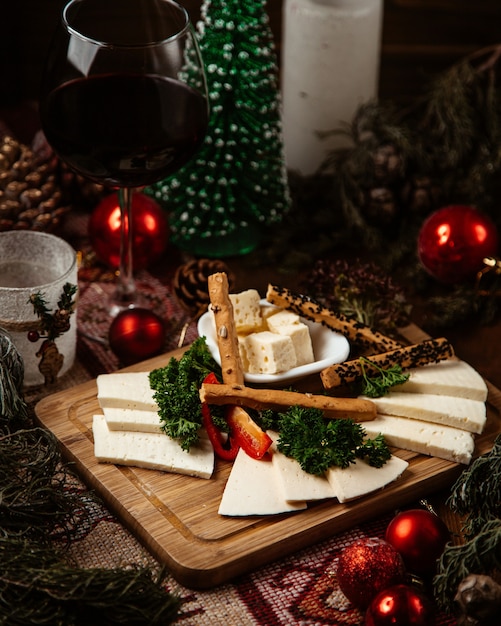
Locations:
{"points": [[318, 443], [379, 385], [176, 392]]}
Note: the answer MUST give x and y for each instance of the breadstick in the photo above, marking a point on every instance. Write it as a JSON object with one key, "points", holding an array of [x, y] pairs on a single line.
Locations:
{"points": [[227, 340], [429, 351], [356, 332], [359, 410]]}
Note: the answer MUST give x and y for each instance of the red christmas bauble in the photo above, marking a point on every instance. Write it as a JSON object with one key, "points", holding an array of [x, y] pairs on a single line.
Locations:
{"points": [[149, 230], [366, 567], [136, 334], [420, 537], [453, 242], [400, 605]]}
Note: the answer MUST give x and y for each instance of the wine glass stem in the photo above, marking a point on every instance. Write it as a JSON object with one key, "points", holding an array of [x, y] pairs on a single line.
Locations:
{"points": [[126, 287]]}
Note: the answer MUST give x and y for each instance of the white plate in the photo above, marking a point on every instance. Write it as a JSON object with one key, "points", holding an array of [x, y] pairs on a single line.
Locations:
{"points": [[329, 347]]}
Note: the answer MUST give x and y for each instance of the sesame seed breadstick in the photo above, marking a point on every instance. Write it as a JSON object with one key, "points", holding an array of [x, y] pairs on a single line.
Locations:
{"points": [[356, 332], [357, 409], [429, 351], [227, 340]]}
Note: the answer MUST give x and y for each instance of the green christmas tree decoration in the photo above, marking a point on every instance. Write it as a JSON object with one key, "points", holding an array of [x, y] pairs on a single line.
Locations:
{"points": [[221, 202]]}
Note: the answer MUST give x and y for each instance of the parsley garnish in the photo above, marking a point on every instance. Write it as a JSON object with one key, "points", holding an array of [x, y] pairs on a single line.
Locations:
{"points": [[379, 385], [318, 443], [176, 392]]}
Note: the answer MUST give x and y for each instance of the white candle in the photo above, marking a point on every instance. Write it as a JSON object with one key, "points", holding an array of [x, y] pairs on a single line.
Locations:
{"points": [[330, 65]]}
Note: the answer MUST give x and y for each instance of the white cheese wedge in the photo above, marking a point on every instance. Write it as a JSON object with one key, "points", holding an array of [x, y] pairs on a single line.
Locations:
{"points": [[269, 353], [444, 442], [132, 419], [246, 310], [252, 488], [151, 451], [360, 479], [126, 390], [296, 485], [447, 378], [462, 413]]}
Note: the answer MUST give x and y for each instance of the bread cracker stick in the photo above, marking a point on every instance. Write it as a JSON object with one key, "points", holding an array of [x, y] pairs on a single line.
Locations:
{"points": [[227, 340], [359, 410], [429, 351], [356, 332]]}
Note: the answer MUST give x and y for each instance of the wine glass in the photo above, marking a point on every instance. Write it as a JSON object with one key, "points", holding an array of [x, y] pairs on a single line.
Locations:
{"points": [[124, 102]]}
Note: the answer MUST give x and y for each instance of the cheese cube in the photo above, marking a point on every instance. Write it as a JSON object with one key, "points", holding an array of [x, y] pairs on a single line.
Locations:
{"points": [[246, 310], [151, 451], [282, 318], [269, 353], [301, 340], [444, 442]]}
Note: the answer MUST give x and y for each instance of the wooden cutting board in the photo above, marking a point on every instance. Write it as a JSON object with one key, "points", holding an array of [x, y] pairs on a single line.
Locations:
{"points": [[176, 517]]}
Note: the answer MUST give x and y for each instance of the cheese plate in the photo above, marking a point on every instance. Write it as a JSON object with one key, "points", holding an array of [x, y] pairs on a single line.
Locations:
{"points": [[176, 516]]}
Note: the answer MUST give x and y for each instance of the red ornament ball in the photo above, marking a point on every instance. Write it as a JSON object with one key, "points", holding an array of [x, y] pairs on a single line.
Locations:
{"points": [[453, 242], [420, 537], [136, 334], [149, 230], [366, 567], [400, 605]]}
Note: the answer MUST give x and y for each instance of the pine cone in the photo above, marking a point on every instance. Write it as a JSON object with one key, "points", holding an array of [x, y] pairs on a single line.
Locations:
{"points": [[30, 197], [389, 165], [190, 283], [380, 206]]}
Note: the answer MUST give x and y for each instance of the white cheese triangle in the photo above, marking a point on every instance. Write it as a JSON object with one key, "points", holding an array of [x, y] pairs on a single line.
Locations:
{"points": [[360, 478], [445, 442], [252, 488], [151, 451], [132, 419], [126, 390], [447, 378], [295, 484], [461, 413]]}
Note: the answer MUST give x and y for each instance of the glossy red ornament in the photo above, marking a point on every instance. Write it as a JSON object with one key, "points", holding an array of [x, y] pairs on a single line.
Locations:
{"points": [[420, 537], [136, 334], [366, 567], [400, 605], [149, 230], [453, 242]]}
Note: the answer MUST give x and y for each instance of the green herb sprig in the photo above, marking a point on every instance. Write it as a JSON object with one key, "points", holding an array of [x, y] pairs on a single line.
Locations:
{"points": [[176, 392], [318, 443], [385, 379]]}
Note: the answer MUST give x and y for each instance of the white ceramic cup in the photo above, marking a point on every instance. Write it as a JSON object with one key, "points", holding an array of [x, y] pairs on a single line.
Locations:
{"points": [[37, 266]]}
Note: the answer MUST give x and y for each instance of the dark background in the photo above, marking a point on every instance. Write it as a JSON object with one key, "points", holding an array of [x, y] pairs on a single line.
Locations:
{"points": [[420, 37]]}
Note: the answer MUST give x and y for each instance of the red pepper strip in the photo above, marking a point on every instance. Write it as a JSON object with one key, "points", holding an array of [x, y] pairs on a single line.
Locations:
{"points": [[215, 435], [250, 437]]}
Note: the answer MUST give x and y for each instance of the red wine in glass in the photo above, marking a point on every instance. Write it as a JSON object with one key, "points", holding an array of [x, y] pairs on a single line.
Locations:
{"points": [[124, 101]]}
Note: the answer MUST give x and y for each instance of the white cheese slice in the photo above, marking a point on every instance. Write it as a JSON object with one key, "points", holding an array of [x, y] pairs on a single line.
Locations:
{"points": [[444, 442], [132, 419], [296, 484], [252, 488], [126, 390], [360, 478], [151, 451], [447, 378], [462, 413]]}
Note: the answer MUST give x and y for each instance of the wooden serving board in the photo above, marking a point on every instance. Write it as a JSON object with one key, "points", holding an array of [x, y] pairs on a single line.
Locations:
{"points": [[176, 517]]}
